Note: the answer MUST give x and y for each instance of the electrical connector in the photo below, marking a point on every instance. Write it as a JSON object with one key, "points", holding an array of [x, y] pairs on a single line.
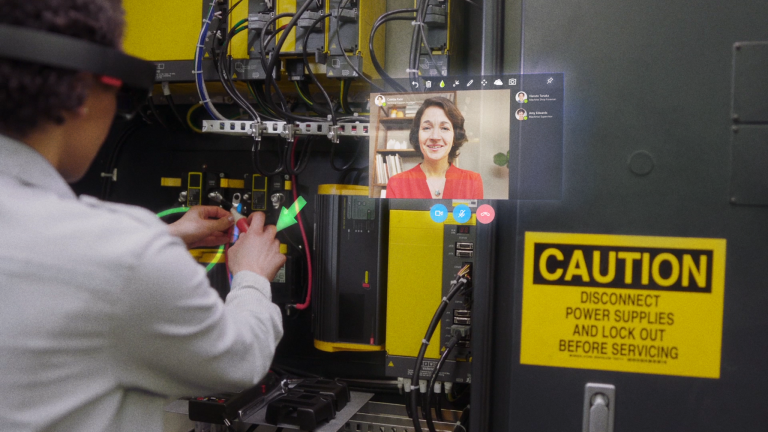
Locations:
{"points": [[407, 386], [423, 384], [460, 331], [400, 383], [448, 387], [438, 387], [462, 321]]}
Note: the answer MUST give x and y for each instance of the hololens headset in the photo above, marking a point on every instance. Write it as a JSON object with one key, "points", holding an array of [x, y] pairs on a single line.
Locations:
{"points": [[133, 76]]}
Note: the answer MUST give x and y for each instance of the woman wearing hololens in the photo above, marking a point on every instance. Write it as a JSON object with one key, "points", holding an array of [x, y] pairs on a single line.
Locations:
{"points": [[437, 133], [104, 313]]}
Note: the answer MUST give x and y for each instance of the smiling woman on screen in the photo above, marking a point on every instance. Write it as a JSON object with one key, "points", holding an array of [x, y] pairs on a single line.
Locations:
{"points": [[437, 134]]}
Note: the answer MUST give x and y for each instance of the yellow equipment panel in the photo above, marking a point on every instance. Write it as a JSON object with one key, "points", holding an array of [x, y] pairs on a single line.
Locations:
{"points": [[169, 30], [162, 31], [415, 280]]}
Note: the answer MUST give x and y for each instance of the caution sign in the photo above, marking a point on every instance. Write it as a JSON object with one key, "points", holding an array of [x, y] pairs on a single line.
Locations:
{"points": [[623, 303]]}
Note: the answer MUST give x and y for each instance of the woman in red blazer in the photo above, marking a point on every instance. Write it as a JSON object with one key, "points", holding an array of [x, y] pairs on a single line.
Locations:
{"points": [[437, 134]]}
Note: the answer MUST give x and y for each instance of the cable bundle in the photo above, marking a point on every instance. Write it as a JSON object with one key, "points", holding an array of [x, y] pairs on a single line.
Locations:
{"points": [[458, 285]]}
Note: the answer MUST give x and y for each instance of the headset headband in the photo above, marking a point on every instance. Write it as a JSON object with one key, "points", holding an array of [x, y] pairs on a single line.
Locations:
{"points": [[66, 52]]}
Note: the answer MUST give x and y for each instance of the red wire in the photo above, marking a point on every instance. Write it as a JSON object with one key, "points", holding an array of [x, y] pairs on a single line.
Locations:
{"points": [[303, 234]]}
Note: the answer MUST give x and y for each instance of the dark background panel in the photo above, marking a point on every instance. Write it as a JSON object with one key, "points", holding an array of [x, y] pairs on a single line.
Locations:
{"points": [[652, 77]]}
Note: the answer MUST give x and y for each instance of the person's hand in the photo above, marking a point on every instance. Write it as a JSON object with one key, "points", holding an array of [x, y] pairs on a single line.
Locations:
{"points": [[257, 250], [203, 226]]}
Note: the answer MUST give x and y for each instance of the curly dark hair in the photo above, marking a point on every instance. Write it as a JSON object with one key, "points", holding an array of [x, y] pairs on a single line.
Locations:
{"points": [[31, 93], [453, 114]]}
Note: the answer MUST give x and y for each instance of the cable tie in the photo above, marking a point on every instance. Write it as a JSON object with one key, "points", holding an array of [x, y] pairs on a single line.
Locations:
{"points": [[197, 71], [200, 46], [425, 342], [205, 20], [411, 70], [445, 299]]}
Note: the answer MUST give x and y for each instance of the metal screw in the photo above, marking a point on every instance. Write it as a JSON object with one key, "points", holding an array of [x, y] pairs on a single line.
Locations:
{"points": [[735, 129]]}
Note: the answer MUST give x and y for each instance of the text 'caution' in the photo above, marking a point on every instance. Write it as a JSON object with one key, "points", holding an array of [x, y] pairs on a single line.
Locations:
{"points": [[623, 303]]}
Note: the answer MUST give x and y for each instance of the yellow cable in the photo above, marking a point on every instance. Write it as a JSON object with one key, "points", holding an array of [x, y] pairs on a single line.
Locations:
{"points": [[189, 117]]}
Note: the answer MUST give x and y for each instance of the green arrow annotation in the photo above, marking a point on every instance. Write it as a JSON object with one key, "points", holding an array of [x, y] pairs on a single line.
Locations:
{"points": [[288, 215]]}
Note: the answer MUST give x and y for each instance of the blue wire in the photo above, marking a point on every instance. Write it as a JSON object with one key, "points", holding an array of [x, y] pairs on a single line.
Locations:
{"points": [[199, 64]]}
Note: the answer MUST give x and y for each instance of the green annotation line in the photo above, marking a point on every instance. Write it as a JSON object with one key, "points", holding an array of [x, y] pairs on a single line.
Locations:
{"points": [[176, 210]]}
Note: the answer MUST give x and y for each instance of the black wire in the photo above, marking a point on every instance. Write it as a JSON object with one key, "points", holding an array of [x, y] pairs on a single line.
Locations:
{"points": [[309, 70], [463, 422], [175, 111], [448, 348], [343, 51], [263, 59], [426, 45], [346, 85], [303, 156], [426, 412], [252, 428], [155, 113], [256, 159], [268, 70], [379, 22], [413, 62], [114, 156], [229, 10], [459, 285], [316, 107], [439, 407], [273, 60], [258, 92], [226, 78], [408, 403], [348, 164]]}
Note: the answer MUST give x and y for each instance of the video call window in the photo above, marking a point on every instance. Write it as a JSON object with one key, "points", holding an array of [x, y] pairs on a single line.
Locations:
{"points": [[468, 138], [439, 145]]}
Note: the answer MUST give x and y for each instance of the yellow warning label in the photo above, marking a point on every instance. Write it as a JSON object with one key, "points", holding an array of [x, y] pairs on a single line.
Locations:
{"points": [[170, 182], [391, 364], [623, 303]]}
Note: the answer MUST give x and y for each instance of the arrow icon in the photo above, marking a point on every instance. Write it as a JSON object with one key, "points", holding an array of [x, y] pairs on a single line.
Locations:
{"points": [[288, 215]]}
